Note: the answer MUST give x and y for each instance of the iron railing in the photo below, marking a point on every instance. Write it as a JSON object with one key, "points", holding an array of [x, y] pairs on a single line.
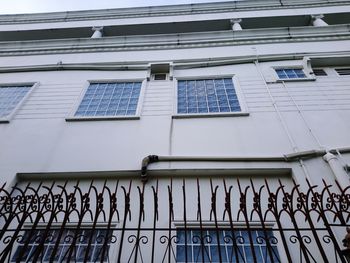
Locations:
{"points": [[173, 220]]}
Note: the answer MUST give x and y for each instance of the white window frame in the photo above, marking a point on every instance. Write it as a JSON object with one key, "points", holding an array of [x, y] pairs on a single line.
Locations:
{"points": [[72, 117], [34, 85], [242, 104]]}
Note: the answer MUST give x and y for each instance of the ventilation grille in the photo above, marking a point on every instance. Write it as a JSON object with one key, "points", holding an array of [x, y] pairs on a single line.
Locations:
{"points": [[343, 71], [320, 72], [160, 76]]}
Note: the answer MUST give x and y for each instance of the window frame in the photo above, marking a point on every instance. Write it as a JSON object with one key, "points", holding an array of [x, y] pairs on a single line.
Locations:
{"points": [[34, 85], [69, 225], [207, 225], [308, 76], [236, 86], [71, 116]]}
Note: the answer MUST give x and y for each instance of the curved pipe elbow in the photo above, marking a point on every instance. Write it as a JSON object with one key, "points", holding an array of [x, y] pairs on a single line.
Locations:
{"points": [[145, 162]]}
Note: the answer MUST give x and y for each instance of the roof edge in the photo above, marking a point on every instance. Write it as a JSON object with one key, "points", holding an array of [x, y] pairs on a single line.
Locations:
{"points": [[166, 10]]}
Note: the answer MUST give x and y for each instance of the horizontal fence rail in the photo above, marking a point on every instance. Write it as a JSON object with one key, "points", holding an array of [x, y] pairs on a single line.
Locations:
{"points": [[166, 220]]}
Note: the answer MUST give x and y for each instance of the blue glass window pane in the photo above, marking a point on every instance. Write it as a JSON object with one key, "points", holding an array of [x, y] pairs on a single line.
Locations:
{"points": [[299, 73], [221, 92], [102, 107], [80, 112], [199, 252], [222, 98], [110, 112], [248, 254], [131, 112], [202, 104], [137, 85], [118, 91], [110, 99], [224, 109], [290, 73], [83, 107], [203, 110], [192, 110], [99, 91], [232, 97], [192, 104], [216, 252], [100, 113], [214, 109], [205, 96], [109, 91], [92, 107], [10, 98]]}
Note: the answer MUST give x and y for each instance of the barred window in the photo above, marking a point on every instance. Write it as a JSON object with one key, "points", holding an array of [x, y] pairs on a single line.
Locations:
{"points": [[57, 249], [195, 245]]}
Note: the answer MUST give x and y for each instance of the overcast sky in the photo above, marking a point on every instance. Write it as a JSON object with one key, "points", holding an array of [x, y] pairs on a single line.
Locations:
{"points": [[39, 6]]}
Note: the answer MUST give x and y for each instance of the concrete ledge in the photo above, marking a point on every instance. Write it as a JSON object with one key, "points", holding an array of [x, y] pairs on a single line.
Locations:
{"points": [[162, 173]]}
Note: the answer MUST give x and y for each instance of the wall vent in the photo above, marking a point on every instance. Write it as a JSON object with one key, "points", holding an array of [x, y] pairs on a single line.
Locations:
{"points": [[160, 76], [319, 72], [343, 71]]}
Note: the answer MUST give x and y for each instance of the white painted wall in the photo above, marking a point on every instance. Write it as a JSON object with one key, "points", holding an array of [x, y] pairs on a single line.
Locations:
{"points": [[299, 116]]}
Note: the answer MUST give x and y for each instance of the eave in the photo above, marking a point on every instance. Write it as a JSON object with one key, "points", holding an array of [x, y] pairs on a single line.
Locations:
{"points": [[177, 41]]}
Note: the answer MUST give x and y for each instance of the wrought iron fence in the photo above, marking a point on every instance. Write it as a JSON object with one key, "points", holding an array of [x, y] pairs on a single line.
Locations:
{"points": [[192, 220]]}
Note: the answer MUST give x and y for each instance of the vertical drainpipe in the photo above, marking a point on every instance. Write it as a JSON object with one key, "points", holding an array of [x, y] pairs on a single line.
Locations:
{"points": [[338, 170]]}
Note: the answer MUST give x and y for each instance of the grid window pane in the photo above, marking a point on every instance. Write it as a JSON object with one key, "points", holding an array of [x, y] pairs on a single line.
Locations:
{"points": [[206, 96], [290, 73], [10, 97], [224, 245], [110, 99], [60, 254]]}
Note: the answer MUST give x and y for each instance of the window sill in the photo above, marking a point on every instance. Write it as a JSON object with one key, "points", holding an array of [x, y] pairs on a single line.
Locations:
{"points": [[4, 121], [102, 118], [294, 80], [210, 115]]}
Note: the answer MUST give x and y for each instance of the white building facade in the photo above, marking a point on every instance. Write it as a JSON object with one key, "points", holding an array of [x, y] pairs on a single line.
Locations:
{"points": [[215, 132]]}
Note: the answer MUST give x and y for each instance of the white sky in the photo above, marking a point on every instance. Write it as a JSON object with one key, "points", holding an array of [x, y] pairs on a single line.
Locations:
{"points": [[39, 6]]}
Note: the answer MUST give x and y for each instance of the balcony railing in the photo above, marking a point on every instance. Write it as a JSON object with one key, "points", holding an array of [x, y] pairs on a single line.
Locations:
{"points": [[173, 220]]}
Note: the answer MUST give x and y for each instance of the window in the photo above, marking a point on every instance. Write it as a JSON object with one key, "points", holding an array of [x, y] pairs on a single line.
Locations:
{"points": [[61, 254], [110, 99], [292, 73], [211, 246], [10, 98], [206, 96]]}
